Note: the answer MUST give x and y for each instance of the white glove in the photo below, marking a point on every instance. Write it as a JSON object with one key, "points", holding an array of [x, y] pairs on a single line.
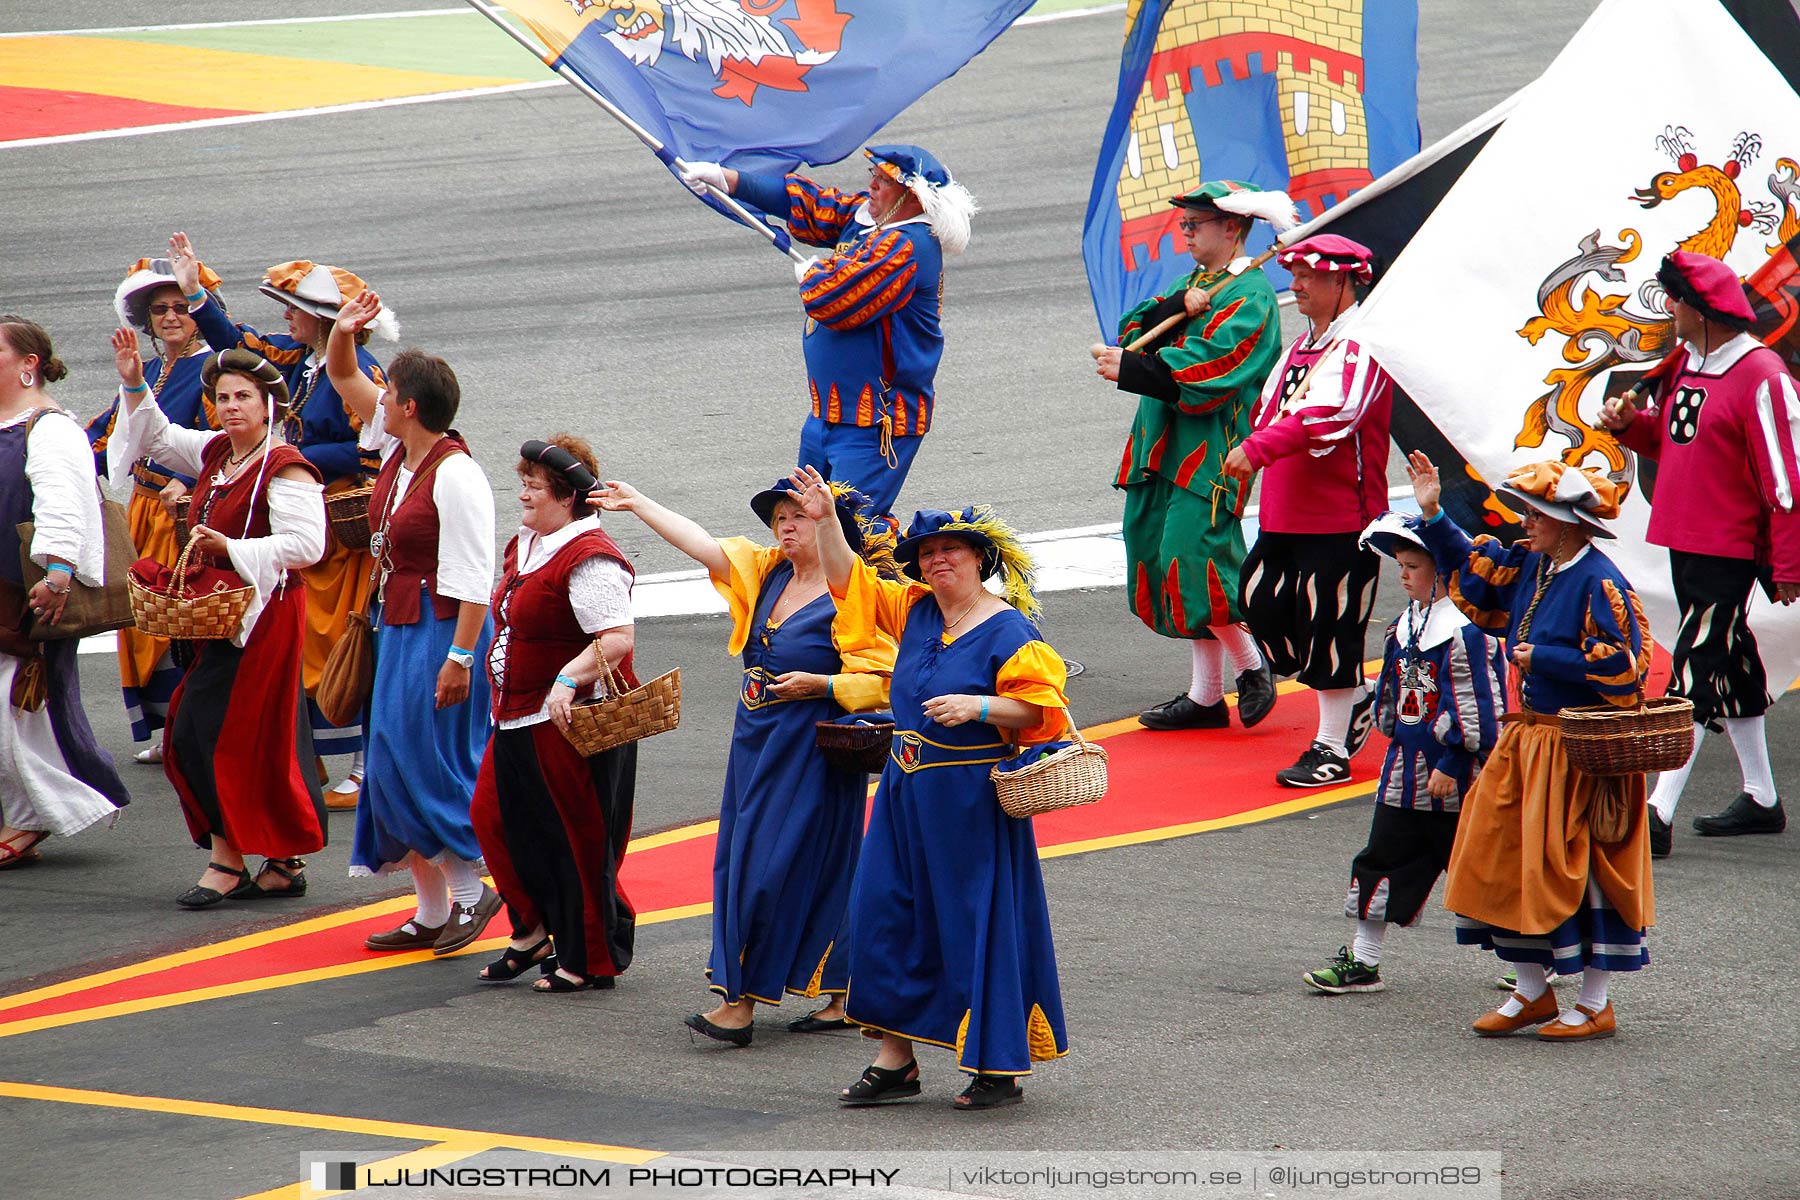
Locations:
{"points": [[697, 175], [802, 267]]}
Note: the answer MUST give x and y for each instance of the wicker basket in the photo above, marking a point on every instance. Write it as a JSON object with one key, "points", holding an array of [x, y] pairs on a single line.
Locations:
{"points": [[855, 747], [349, 515], [1071, 776], [182, 616], [182, 507], [620, 716], [1602, 740]]}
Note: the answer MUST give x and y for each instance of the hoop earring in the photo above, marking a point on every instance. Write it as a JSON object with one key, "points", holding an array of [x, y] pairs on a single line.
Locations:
{"points": [[27, 379]]}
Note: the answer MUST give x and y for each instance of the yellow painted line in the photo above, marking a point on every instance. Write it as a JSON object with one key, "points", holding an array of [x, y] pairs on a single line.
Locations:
{"points": [[668, 837], [202, 78], [1253, 817], [442, 1155], [329, 1123]]}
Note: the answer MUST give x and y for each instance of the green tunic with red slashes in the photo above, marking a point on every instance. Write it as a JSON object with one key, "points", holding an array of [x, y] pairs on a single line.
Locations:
{"points": [[1197, 384]]}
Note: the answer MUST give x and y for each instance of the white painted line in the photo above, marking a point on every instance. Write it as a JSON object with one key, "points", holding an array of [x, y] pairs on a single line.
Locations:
{"points": [[421, 12], [255, 118], [1087, 556], [1043, 18]]}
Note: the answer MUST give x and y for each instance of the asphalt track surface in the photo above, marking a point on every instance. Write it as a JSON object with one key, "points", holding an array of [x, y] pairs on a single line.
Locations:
{"points": [[573, 286]]}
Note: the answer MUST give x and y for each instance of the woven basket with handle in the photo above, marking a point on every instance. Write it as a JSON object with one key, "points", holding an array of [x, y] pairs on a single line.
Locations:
{"points": [[182, 615], [1074, 775], [1601, 740], [620, 716], [349, 515]]}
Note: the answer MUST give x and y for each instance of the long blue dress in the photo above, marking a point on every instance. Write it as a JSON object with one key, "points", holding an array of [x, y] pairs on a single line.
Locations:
{"points": [[789, 824], [949, 926]]}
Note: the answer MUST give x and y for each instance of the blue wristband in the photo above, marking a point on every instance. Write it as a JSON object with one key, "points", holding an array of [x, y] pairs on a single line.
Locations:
{"points": [[1434, 518], [137, 387], [65, 568], [460, 650], [196, 298], [568, 683], [828, 687], [984, 701]]}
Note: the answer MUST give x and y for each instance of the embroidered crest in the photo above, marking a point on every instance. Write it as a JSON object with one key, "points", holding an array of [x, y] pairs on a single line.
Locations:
{"points": [[1684, 414], [1418, 691]]}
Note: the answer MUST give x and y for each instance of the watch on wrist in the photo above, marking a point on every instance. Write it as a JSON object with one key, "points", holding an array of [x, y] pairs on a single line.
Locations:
{"points": [[461, 658]]}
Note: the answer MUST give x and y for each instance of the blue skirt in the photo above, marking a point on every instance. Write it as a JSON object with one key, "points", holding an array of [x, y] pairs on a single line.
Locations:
{"points": [[420, 761], [1595, 936]]}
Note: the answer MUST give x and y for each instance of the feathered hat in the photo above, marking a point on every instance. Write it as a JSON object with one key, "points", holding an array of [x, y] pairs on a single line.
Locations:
{"points": [[948, 205], [872, 537], [132, 299], [1241, 200], [996, 541], [1393, 531], [1578, 495], [322, 291]]}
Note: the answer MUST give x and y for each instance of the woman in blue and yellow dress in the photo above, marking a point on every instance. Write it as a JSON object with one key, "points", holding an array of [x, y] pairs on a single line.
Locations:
{"points": [[150, 301], [949, 926], [1529, 879], [322, 427], [789, 823]]}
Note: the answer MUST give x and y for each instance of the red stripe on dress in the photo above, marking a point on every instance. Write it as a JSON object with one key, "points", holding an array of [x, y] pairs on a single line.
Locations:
{"points": [[1156, 452], [1190, 466], [1141, 600], [1227, 362], [1218, 604], [1172, 597], [1219, 318], [1124, 476]]}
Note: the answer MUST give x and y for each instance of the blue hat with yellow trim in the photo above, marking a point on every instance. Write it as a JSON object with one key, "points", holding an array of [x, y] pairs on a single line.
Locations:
{"points": [[908, 162], [947, 204], [996, 541], [872, 536]]}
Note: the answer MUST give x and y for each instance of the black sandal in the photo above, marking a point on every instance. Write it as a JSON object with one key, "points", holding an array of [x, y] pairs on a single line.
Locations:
{"points": [[720, 1033], [291, 869], [882, 1085], [513, 963], [554, 982], [205, 897], [988, 1091]]}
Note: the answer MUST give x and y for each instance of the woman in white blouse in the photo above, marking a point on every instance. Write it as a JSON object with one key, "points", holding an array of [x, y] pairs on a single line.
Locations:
{"points": [[53, 777], [553, 824], [432, 517], [237, 732]]}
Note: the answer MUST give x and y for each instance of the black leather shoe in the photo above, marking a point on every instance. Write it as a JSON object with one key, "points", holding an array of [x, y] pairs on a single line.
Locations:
{"points": [[718, 1033], [1662, 836], [1742, 815], [1256, 696], [1183, 713]]}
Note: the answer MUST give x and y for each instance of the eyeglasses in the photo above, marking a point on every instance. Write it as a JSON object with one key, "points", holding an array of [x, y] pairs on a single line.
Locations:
{"points": [[1194, 223], [160, 310]]}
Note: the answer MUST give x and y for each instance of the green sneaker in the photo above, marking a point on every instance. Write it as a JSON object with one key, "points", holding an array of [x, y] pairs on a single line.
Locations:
{"points": [[1344, 974]]}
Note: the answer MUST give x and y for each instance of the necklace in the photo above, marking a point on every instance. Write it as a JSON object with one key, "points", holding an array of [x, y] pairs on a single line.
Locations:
{"points": [[949, 625], [234, 465]]}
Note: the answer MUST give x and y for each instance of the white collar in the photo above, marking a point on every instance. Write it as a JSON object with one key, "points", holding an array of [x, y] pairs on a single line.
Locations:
{"points": [[1442, 620], [1723, 358], [1557, 568], [535, 550], [865, 218]]}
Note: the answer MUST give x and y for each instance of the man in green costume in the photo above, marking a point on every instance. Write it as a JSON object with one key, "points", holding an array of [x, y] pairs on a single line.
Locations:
{"points": [[1197, 383]]}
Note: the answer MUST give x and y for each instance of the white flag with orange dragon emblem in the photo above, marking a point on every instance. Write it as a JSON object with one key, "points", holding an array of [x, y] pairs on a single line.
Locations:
{"points": [[1529, 294]]}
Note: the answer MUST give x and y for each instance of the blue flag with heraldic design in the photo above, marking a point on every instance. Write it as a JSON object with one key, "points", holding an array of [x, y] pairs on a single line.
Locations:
{"points": [[1314, 98], [764, 85]]}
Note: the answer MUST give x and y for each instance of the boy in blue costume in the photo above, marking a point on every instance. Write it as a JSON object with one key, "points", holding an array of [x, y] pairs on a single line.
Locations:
{"points": [[1442, 687]]}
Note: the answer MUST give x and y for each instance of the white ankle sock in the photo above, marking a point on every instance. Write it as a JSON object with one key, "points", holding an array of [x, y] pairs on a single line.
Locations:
{"points": [[1593, 994], [1752, 745], [1367, 946], [433, 896], [1334, 718], [1533, 982], [1209, 659], [1669, 784], [1240, 646], [465, 881]]}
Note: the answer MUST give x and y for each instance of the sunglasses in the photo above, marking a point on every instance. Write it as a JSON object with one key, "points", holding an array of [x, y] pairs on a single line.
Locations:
{"points": [[1189, 225], [160, 310]]}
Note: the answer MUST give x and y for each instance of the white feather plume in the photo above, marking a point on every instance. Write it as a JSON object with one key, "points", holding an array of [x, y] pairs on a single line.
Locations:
{"points": [[1275, 207], [948, 210], [386, 324]]}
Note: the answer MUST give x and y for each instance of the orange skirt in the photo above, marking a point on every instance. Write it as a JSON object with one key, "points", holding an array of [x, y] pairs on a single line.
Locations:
{"points": [[1523, 852]]}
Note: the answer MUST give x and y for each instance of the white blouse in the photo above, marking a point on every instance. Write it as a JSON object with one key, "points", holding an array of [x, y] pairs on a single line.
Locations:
{"points": [[65, 503], [465, 505], [599, 596], [296, 507]]}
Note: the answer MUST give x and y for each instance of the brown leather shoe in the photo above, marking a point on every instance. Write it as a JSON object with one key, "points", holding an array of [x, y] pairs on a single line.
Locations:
{"points": [[458, 932], [338, 801], [402, 937], [1598, 1025], [1535, 1012]]}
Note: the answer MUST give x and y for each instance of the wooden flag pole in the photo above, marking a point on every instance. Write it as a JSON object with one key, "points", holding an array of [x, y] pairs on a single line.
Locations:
{"points": [[1144, 339], [643, 135]]}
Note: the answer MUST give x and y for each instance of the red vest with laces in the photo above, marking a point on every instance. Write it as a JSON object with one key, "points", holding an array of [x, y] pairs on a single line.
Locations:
{"points": [[544, 632], [411, 553], [225, 509]]}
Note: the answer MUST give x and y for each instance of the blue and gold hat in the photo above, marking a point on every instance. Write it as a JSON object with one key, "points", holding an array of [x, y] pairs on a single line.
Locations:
{"points": [[996, 541], [949, 208], [870, 535]]}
